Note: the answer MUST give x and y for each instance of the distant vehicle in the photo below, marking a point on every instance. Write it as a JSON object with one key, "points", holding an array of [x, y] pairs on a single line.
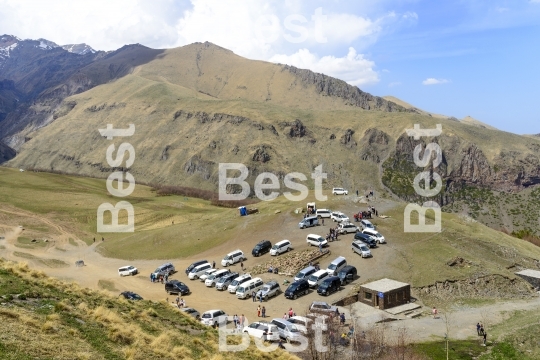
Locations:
{"points": [[165, 269], [262, 247], [338, 216], [297, 288], [311, 208], [237, 282], [375, 235], [195, 264], [329, 286], [336, 265], [360, 248], [214, 318], [281, 247], [130, 295], [308, 222], [262, 330], [224, 282], [320, 306], [191, 312], [128, 271], [366, 224], [269, 290], [199, 270], [176, 287], [301, 323], [340, 191], [212, 279], [287, 330], [246, 289], [316, 240], [233, 257], [316, 278], [207, 273], [346, 228], [348, 273], [323, 213], [366, 239], [304, 273]]}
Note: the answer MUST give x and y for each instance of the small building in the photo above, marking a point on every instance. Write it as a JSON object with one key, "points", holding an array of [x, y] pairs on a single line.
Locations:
{"points": [[531, 276], [385, 293]]}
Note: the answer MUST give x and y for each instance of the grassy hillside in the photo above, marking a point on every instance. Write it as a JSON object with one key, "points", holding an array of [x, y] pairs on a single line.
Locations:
{"points": [[43, 318]]}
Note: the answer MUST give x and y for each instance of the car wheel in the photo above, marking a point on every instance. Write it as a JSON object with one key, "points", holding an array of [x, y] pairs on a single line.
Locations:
{"points": [[307, 292], [289, 249], [288, 340], [295, 297]]}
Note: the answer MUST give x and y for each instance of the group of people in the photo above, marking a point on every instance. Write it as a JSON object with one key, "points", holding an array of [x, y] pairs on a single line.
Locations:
{"points": [[180, 303], [239, 322], [159, 278], [273, 270], [255, 295], [481, 331], [333, 235], [261, 311], [289, 314]]}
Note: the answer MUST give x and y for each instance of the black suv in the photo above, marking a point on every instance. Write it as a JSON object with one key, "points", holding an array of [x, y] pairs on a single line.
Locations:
{"points": [[296, 289], [130, 295], [196, 263], [347, 274], [368, 240], [329, 285], [176, 287], [262, 247]]}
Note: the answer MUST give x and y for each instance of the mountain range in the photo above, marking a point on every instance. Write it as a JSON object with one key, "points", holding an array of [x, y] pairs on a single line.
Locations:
{"points": [[200, 105]]}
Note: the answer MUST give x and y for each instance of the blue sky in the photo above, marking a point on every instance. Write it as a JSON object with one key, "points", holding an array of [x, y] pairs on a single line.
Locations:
{"points": [[452, 57]]}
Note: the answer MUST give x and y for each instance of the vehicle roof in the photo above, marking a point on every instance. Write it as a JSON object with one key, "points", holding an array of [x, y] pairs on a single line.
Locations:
{"points": [[262, 242], [220, 271], [303, 318], [307, 268], [212, 311], [347, 267], [234, 251], [339, 258], [320, 303], [282, 241], [319, 272], [271, 282], [121, 267], [315, 235]]}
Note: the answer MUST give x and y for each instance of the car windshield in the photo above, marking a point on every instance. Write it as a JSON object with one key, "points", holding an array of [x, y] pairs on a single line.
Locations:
{"points": [[293, 287], [275, 247], [292, 328], [324, 285], [211, 277], [227, 257], [136, 297], [320, 239], [190, 311], [300, 275], [332, 266], [207, 316], [297, 321], [235, 282], [313, 278]]}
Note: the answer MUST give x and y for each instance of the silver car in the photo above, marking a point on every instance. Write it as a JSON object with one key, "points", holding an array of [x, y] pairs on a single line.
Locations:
{"points": [[191, 312], [269, 289]]}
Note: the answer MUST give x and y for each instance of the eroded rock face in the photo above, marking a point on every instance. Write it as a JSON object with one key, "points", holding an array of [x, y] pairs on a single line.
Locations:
{"points": [[262, 154], [197, 165], [375, 145]]}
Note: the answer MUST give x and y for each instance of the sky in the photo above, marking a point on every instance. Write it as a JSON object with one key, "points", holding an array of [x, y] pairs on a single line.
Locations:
{"points": [[453, 57]]}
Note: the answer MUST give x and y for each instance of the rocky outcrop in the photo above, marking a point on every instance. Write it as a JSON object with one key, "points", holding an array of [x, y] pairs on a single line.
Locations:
{"points": [[347, 138], [6, 153], [196, 165], [262, 154], [375, 145], [296, 128]]}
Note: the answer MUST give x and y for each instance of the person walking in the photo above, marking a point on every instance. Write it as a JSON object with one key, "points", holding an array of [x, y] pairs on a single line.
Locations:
{"points": [[482, 330], [485, 338], [434, 312], [253, 295], [213, 264], [242, 266], [242, 320], [94, 239], [259, 311], [291, 313], [235, 320], [320, 248], [478, 329], [260, 296], [263, 311]]}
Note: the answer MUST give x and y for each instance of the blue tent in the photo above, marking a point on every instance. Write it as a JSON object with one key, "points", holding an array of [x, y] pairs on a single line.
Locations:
{"points": [[243, 211]]}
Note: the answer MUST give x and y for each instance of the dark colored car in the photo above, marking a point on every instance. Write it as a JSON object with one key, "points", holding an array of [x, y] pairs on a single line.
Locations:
{"points": [[262, 247], [197, 263], [176, 287], [296, 289], [347, 274], [366, 239], [130, 295], [329, 286]]}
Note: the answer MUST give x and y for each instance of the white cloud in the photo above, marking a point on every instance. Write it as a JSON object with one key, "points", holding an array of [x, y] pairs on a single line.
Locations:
{"points": [[352, 68], [394, 84], [433, 81]]}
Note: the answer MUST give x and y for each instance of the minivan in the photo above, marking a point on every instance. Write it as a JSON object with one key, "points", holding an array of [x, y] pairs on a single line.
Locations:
{"points": [[347, 274], [165, 269], [249, 287], [176, 287], [329, 286], [214, 277], [304, 273], [365, 238], [198, 271], [233, 258], [297, 288], [366, 224], [195, 264], [316, 278], [360, 248], [323, 213], [281, 247], [336, 265], [308, 222], [316, 240], [375, 235], [225, 281], [207, 273], [262, 247], [214, 317], [237, 282], [287, 330]]}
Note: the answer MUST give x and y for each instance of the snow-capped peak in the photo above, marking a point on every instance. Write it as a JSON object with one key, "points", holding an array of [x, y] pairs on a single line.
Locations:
{"points": [[81, 49], [46, 44]]}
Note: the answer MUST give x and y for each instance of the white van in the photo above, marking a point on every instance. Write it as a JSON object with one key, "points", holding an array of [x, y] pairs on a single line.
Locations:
{"points": [[308, 222], [233, 257], [336, 265], [281, 247], [366, 224], [237, 282], [246, 289], [316, 240], [198, 271], [324, 213], [316, 278], [375, 235], [305, 273], [214, 277]]}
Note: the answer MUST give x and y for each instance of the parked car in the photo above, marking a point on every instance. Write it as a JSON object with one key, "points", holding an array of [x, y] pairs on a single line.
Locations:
{"points": [[308, 222], [366, 239], [130, 295], [224, 281], [207, 273], [199, 270], [336, 265], [304, 273], [246, 289], [320, 306], [262, 247], [269, 290], [316, 240], [347, 228], [297, 288], [233, 257], [329, 286], [191, 312], [195, 264], [262, 330], [301, 322], [323, 213], [128, 271], [360, 248], [176, 287], [316, 278], [366, 224], [339, 191], [214, 318], [375, 235], [347, 274], [287, 330], [165, 269], [212, 279], [281, 247], [339, 217], [237, 282]]}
